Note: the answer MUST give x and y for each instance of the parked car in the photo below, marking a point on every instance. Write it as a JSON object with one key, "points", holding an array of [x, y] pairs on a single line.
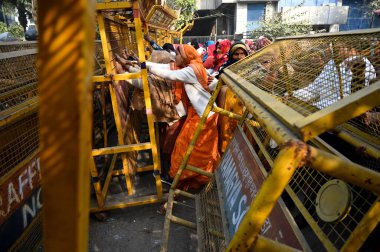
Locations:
{"points": [[31, 33]]}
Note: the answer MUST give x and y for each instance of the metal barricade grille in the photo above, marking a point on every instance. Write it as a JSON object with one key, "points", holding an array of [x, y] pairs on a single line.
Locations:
{"points": [[32, 238], [99, 59], [161, 19], [209, 219], [17, 141], [313, 73], [305, 184], [18, 78]]}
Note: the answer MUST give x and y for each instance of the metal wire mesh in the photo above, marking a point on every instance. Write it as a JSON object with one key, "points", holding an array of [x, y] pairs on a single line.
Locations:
{"points": [[99, 59], [146, 5], [17, 141], [312, 73], [18, 78], [210, 224], [117, 39], [306, 183], [17, 46], [161, 19], [32, 239]]}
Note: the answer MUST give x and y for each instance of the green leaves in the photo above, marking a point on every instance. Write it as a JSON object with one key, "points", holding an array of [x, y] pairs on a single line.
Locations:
{"points": [[15, 29], [187, 7], [275, 28]]}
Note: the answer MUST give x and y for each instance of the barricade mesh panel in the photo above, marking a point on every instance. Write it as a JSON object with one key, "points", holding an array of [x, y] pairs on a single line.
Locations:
{"points": [[18, 78], [306, 182], [17, 141], [210, 223], [32, 238], [312, 73], [99, 68]]}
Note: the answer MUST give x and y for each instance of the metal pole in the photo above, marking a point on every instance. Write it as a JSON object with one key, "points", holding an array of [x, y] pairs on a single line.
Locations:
{"points": [[65, 69], [216, 27]]}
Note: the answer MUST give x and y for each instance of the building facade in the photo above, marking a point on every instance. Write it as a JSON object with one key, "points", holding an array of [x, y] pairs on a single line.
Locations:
{"points": [[242, 16]]}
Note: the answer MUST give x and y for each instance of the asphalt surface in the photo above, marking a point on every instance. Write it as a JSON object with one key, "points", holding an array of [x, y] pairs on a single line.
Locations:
{"points": [[139, 229]]}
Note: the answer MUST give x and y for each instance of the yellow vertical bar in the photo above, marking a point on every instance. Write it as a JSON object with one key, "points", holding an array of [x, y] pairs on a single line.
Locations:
{"points": [[65, 68], [96, 183], [284, 166], [148, 104], [116, 112], [364, 229], [104, 119]]}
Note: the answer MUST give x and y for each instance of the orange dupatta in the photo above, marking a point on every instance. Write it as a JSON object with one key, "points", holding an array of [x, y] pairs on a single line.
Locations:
{"points": [[205, 154]]}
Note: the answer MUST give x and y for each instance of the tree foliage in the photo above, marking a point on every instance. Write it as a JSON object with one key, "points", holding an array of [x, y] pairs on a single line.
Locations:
{"points": [[373, 4], [187, 7], [24, 9], [16, 30], [3, 27], [276, 27]]}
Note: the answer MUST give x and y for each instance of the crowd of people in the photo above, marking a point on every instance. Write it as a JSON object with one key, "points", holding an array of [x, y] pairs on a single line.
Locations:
{"points": [[191, 72]]}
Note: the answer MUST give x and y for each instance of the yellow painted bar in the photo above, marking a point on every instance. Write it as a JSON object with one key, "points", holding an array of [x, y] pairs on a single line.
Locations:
{"points": [[96, 183], [199, 171], [369, 149], [166, 229], [109, 176], [113, 5], [340, 112], [265, 244], [65, 69], [116, 77], [270, 123], [183, 222], [145, 169], [115, 107], [227, 113], [120, 149], [148, 103], [10, 115], [183, 193], [287, 161], [345, 170], [285, 114], [364, 229], [104, 119], [260, 144], [130, 202]]}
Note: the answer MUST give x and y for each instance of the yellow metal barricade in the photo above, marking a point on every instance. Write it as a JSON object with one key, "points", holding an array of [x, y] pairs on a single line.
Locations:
{"points": [[294, 90], [20, 181], [121, 26]]}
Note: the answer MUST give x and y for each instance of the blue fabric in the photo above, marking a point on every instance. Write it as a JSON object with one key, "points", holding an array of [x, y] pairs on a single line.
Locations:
{"points": [[154, 45]]}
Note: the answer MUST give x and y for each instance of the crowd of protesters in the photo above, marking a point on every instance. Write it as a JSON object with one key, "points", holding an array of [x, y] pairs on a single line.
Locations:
{"points": [[192, 70]]}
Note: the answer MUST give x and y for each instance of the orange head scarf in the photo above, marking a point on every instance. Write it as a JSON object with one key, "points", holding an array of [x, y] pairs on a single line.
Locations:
{"points": [[192, 58]]}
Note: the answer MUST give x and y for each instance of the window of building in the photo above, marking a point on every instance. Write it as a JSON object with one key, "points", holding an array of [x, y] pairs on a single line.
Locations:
{"points": [[256, 12]]}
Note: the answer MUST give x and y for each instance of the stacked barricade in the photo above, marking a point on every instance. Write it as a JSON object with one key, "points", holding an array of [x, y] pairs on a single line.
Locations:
{"points": [[20, 222], [310, 129]]}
